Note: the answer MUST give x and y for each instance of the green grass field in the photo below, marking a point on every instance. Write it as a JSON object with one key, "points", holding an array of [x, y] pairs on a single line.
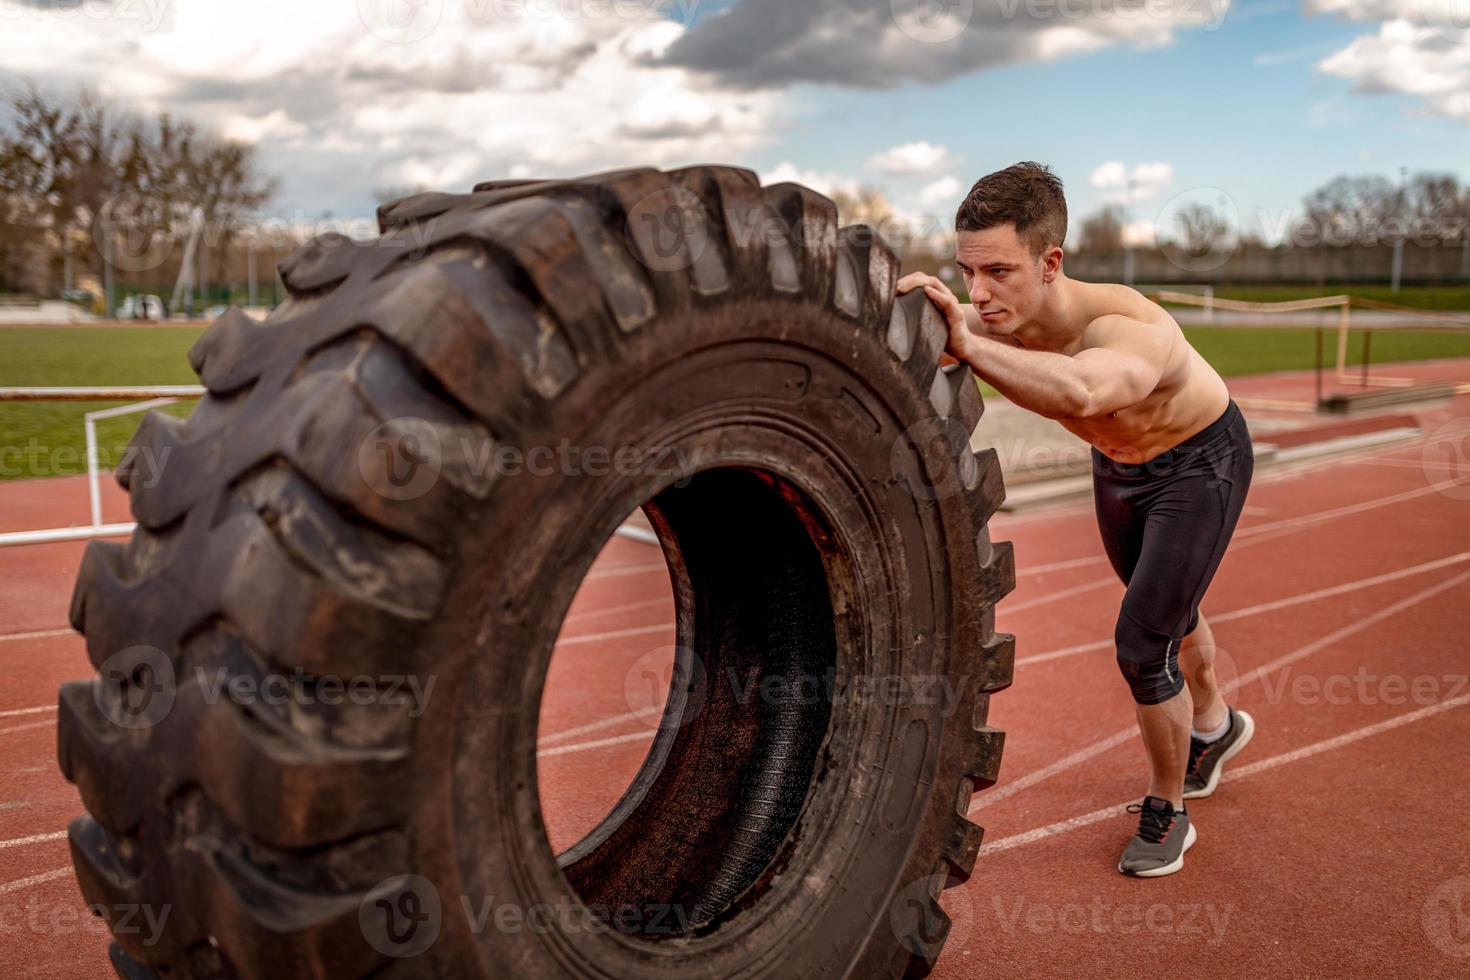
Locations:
{"points": [[1419, 297], [46, 439]]}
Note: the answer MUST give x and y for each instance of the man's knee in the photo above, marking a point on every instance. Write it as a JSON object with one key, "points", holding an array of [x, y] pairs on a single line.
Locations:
{"points": [[1148, 659]]}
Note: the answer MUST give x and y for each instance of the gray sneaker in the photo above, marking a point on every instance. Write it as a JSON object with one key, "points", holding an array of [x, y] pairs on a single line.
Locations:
{"points": [[1207, 760], [1164, 834]]}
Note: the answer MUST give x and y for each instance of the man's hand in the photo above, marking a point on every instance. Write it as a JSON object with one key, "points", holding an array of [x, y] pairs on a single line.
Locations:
{"points": [[960, 343]]}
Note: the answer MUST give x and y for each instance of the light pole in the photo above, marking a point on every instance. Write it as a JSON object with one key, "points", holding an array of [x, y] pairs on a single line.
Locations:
{"points": [[1398, 242], [1127, 220]]}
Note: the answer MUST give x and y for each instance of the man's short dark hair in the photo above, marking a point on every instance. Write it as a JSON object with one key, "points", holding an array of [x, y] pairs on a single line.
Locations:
{"points": [[1027, 195]]}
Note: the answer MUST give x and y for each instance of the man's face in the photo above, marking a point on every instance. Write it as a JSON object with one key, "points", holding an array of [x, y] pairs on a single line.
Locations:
{"points": [[1006, 282]]}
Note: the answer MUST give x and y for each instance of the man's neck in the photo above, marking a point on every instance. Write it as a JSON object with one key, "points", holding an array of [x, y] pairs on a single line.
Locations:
{"points": [[1057, 325]]}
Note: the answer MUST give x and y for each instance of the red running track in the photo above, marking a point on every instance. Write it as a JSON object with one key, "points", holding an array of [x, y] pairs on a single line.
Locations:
{"points": [[1337, 844]]}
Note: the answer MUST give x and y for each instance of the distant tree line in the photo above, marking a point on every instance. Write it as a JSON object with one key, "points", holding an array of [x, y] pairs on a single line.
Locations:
{"points": [[83, 180], [1426, 209]]}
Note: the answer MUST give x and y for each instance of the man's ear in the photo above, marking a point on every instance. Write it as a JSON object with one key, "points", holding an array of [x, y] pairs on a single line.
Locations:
{"points": [[1051, 263]]}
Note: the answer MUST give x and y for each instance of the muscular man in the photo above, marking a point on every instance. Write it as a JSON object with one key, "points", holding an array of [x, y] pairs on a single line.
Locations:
{"points": [[1171, 464]]}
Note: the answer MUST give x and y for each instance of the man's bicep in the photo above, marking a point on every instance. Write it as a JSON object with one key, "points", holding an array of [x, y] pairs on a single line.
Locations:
{"points": [[1123, 371]]}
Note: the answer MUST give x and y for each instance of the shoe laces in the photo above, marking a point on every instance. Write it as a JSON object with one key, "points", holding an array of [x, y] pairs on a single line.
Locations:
{"points": [[1153, 824]]}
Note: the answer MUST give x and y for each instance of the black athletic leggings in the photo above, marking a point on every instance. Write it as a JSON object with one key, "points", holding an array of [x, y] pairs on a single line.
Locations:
{"points": [[1165, 524]]}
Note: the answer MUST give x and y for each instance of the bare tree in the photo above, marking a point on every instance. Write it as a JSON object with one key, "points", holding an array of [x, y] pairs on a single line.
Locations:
{"points": [[1102, 231], [1436, 207], [1351, 210], [868, 205], [1201, 229]]}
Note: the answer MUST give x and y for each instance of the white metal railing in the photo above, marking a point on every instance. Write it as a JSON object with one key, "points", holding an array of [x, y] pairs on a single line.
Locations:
{"points": [[157, 396]]}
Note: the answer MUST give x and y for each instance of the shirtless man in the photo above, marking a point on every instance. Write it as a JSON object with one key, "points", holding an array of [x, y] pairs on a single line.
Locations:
{"points": [[1171, 465]]}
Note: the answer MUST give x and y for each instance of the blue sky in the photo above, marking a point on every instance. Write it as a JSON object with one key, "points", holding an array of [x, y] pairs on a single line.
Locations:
{"points": [[1265, 103], [1242, 107]]}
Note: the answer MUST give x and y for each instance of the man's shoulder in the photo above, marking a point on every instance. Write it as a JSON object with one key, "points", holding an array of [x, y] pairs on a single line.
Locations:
{"points": [[1133, 331]]}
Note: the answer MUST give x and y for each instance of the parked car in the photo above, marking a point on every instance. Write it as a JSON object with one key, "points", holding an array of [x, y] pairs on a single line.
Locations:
{"points": [[141, 306]]}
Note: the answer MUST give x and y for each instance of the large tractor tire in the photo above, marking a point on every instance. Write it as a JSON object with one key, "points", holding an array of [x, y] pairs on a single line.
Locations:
{"points": [[334, 517]]}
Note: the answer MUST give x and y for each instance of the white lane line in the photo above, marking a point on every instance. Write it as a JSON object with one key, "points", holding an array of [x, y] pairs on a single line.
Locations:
{"points": [[626, 607], [599, 725], [1006, 790], [38, 634], [646, 736], [615, 634], [1296, 755], [20, 883], [1097, 583], [1243, 538], [27, 711], [34, 839], [22, 728], [1264, 531], [1265, 607], [627, 570]]}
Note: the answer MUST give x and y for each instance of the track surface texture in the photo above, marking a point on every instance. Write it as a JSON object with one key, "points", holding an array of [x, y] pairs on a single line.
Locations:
{"points": [[1335, 844]]}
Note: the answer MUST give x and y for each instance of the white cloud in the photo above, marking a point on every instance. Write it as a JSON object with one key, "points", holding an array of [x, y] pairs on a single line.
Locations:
{"points": [[821, 181], [918, 159], [1408, 59], [1421, 49], [340, 103], [1139, 234], [867, 44], [945, 190], [1148, 180]]}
